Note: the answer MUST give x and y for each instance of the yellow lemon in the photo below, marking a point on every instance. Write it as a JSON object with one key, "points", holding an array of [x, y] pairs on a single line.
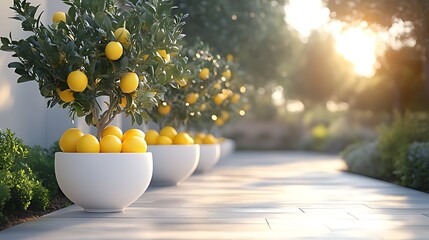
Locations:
{"points": [[219, 98], [200, 135], [112, 130], [77, 81], [204, 74], [217, 86], [203, 107], [151, 137], [182, 82], [224, 115], [164, 109], [110, 144], [227, 74], [164, 55], [134, 144], [183, 139], [235, 98], [129, 82], [164, 140], [66, 95], [145, 57], [123, 103], [168, 131], [198, 140], [219, 122], [123, 36], [230, 57], [88, 144], [133, 133], [59, 17], [69, 140], [210, 139], [114, 50], [192, 98]]}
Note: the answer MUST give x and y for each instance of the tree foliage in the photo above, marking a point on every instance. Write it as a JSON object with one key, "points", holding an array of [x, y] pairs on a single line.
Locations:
{"points": [[254, 31], [51, 52]]}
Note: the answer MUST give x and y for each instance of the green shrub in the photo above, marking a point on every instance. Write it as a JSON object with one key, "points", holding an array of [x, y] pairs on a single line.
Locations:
{"points": [[40, 199], [413, 169], [4, 192], [363, 159], [41, 162], [21, 190], [11, 148], [394, 140]]}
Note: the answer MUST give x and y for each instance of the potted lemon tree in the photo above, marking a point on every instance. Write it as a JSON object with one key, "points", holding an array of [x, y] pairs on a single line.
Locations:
{"points": [[187, 103], [98, 60]]}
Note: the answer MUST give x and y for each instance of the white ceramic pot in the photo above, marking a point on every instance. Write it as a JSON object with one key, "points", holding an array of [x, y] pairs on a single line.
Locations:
{"points": [[209, 156], [173, 164], [103, 182], [227, 147]]}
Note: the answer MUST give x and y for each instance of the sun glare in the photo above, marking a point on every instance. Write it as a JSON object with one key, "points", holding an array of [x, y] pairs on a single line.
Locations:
{"points": [[358, 45]]}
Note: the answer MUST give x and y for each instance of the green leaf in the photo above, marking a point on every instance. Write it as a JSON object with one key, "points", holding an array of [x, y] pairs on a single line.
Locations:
{"points": [[25, 79], [16, 65]]}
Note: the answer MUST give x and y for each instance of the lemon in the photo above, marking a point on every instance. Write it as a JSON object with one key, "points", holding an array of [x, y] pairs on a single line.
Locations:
{"points": [[123, 36], [145, 57], [210, 139], [134, 144], [217, 86], [200, 135], [112, 130], [198, 140], [164, 109], [77, 81], [151, 137], [88, 144], [204, 74], [219, 122], [129, 82], [168, 131], [164, 140], [235, 98], [192, 98], [230, 57], [123, 103], [66, 95], [227, 74], [110, 144], [59, 17], [182, 82], [69, 140], [183, 139], [114, 50], [219, 98], [133, 133], [164, 55], [203, 107], [224, 115]]}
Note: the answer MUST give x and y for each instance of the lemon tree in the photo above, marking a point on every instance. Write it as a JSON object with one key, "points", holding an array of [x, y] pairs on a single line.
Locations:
{"points": [[211, 96], [100, 50]]}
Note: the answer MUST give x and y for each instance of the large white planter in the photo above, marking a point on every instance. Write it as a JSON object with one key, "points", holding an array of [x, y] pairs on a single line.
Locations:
{"points": [[103, 182], [173, 164], [227, 147], [209, 156]]}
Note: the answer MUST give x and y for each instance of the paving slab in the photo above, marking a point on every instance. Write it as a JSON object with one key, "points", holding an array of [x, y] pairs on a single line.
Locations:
{"points": [[252, 195]]}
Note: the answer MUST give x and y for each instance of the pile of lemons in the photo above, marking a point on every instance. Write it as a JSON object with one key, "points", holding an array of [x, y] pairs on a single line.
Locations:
{"points": [[168, 135], [112, 141], [132, 141]]}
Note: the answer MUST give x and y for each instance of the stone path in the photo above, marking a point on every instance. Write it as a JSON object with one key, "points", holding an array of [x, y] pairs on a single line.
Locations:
{"points": [[253, 195]]}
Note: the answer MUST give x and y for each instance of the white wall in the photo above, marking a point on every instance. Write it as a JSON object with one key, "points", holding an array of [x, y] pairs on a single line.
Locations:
{"points": [[22, 108]]}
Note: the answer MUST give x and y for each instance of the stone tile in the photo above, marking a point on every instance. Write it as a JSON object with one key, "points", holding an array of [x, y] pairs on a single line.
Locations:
{"points": [[253, 195]]}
